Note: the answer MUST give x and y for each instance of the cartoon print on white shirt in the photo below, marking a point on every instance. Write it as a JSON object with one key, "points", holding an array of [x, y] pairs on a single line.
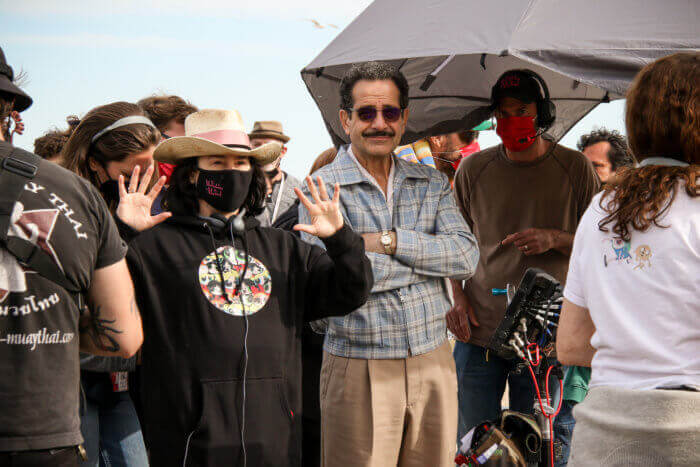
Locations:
{"points": [[642, 256], [621, 254]]}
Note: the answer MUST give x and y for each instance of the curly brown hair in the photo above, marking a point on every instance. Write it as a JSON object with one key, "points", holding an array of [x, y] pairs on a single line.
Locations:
{"points": [[640, 197], [663, 119], [164, 109], [619, 153], [50, 144]]}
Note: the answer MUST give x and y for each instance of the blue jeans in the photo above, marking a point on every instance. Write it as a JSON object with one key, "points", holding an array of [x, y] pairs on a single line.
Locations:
{"points": [[563, 429], [109, 425], [481, 385]]}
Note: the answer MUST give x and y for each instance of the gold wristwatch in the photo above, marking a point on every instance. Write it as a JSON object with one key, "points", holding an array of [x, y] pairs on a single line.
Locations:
{"points": [[385, 240]]}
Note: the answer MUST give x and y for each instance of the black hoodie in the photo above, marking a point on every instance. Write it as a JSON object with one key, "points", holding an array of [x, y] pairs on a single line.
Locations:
{"points": [[193, 352]]}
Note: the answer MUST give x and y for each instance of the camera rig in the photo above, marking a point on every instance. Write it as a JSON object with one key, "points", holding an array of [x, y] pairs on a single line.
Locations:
{"points": [[526, 333], [532, 317]]}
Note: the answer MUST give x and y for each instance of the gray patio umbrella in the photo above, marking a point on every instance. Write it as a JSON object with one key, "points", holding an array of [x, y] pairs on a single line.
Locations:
{"points": [[452, 51]]}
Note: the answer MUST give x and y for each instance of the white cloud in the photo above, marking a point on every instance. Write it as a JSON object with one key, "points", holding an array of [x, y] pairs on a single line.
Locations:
{"points": [[325, 11]]}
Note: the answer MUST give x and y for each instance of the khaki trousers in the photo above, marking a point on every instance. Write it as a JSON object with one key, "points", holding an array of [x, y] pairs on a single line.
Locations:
{"points": [[382, 413]]}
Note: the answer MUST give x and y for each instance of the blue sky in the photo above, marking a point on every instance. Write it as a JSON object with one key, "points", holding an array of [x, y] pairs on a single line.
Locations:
{"points": [[238, 54]]}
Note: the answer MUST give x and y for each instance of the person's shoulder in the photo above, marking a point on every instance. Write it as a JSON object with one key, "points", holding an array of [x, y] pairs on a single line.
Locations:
{"points": [[292, 181], [159, 233], [69, 186], [329, 173], [472, 165], [481, 158], [50, 173], [570, 158], [416, 169], [596, 208], [284, 241]]}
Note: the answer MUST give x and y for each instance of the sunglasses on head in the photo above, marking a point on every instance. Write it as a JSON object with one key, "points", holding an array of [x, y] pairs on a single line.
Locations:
{"points": [[368, 113]]}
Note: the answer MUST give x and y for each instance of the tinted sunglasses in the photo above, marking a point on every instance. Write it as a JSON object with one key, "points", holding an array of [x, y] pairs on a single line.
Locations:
{"points": [[368, 113]]}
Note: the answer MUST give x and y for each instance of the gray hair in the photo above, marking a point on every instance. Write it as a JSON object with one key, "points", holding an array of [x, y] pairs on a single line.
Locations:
{"points": [[372, 71]]}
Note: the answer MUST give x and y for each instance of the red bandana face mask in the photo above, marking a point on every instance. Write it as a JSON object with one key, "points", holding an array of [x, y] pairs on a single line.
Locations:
{"points": [[517, 133], [465, 151]]}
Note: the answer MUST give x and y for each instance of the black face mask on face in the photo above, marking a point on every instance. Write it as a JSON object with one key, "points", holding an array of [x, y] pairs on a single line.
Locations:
{"points": [[110, 191], [225, 190]]}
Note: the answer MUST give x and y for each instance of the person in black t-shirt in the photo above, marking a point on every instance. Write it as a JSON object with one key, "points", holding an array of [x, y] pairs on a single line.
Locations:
{"points": [[42, 328]]}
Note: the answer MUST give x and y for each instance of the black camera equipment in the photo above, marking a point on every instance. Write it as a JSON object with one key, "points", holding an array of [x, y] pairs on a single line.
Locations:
{"points": [[527, 333]]}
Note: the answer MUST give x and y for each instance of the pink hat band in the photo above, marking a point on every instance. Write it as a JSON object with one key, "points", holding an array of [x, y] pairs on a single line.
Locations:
{"points": [[228, 138]]}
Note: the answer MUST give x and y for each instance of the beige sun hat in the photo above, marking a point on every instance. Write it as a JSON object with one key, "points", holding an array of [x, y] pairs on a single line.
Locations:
{"points": [[268, 129], [213, 132]]}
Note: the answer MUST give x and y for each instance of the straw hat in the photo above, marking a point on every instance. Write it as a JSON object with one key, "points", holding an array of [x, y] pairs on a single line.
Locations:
{"points": [[213, 132], [268, 129]]}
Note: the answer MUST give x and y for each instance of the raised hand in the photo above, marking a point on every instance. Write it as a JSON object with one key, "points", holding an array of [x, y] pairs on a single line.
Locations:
{"points": [[19, 124], [325, 215], [135, 205]]}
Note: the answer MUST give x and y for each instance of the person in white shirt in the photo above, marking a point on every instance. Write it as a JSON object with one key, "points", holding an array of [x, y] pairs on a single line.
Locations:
{"points": [[631, 310]]}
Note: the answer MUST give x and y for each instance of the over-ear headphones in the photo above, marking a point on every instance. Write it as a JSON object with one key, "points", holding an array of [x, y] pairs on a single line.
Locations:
{"points": [[546, 110], [219, 222]]}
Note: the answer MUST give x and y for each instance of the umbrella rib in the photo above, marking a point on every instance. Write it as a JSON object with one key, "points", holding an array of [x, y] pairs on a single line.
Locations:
{"points": [[321, 75], [447, 96], [484, 99]]}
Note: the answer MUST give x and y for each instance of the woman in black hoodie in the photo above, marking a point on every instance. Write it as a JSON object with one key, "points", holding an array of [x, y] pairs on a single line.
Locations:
{"points": [[224, 301]]}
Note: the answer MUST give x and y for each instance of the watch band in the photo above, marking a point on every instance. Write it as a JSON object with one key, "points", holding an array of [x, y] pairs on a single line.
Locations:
{"points": [[387, 245]]}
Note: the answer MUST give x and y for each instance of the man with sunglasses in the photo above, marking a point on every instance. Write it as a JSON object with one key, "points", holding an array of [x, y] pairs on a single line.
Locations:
{"points": [[388, 381], [280, 185]]}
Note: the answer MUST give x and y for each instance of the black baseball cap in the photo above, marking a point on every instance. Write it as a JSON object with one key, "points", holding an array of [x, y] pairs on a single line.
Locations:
{"points": [[518, 84], [22, 100]]}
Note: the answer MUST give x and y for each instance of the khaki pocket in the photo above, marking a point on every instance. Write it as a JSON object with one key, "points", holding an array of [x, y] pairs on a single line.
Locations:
{"points": [[326, 373]]}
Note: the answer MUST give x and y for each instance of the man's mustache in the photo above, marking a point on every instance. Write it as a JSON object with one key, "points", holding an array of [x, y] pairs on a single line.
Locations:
{"points": [[370, 134]]}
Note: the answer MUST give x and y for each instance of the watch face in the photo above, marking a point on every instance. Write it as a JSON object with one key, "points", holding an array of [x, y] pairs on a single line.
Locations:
{"points": [[386, 240]]}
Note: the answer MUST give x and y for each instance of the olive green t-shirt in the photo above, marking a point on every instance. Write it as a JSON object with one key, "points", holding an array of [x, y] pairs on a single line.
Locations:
{"points": [[499, 197]]}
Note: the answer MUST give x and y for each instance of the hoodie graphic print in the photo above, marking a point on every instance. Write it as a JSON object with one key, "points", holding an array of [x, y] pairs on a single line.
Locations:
{"points": [[229, 263]]}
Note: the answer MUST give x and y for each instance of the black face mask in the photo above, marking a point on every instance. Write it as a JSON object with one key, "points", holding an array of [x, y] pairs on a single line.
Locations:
{"points": [[225, 190], [110, 191]]}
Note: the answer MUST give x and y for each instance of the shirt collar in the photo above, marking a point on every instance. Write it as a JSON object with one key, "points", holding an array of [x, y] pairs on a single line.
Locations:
{"points": [[364, 171], [347, 169]]}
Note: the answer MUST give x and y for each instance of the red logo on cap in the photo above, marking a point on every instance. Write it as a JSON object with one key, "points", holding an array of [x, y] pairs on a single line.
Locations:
{"points": [[510, 81]]}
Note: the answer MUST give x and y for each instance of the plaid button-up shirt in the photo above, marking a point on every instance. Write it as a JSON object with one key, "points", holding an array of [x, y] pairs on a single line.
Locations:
{"points": [[405, 314]]}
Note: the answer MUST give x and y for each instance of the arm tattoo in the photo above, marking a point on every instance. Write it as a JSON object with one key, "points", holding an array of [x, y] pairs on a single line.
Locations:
{"points": [[98, 328]]}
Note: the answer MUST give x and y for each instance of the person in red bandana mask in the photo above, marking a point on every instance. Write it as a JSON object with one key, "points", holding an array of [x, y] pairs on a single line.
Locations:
{"points": [[449, 150], [441, 152], [523, 200], [168, 113]]}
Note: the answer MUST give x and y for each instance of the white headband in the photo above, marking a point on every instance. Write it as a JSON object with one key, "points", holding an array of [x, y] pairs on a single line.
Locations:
{"points": [[123, 122]]}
